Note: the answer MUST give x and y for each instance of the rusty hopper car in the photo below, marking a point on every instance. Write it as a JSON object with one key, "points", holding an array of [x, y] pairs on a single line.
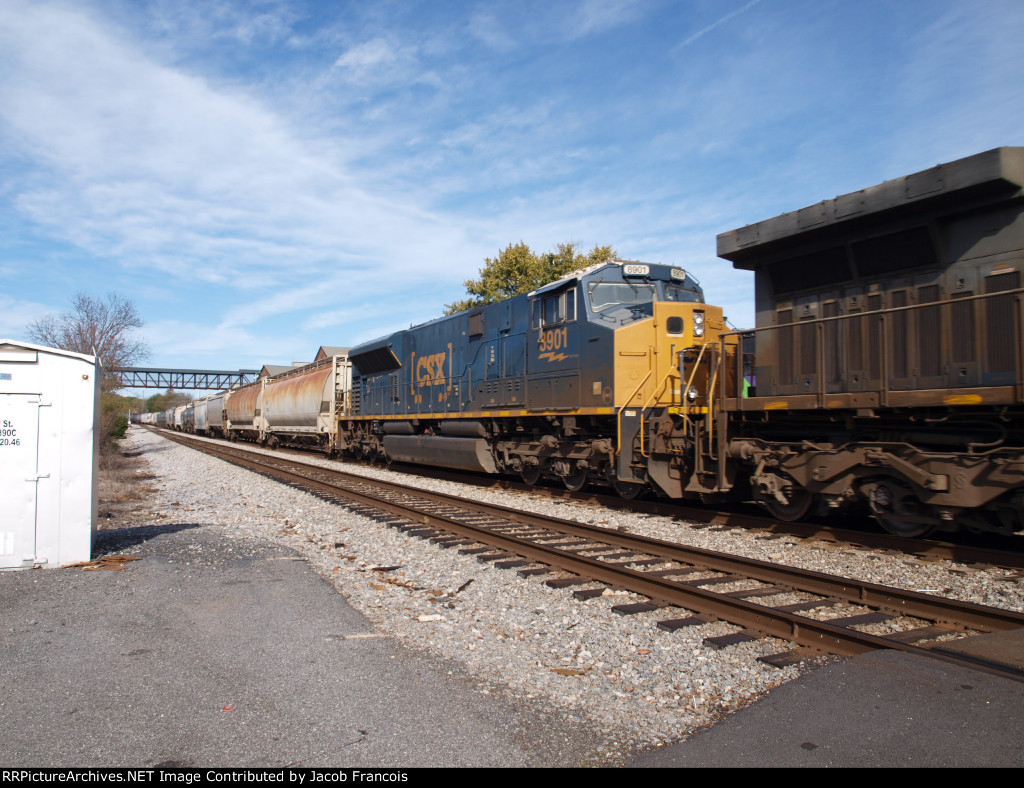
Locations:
{"points": [[243, 419], [304, 405], [600, 376], [889, 352]]}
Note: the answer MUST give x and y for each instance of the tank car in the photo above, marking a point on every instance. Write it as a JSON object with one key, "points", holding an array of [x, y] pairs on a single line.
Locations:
{"points": [[603, 375], [888, 352]]}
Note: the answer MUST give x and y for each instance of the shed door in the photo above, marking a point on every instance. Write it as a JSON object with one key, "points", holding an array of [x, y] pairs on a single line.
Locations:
{"points": [[19, 430]]}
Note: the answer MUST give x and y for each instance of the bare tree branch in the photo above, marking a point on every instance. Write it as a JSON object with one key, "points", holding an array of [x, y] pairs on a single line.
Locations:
{"points": [[101, 327]]}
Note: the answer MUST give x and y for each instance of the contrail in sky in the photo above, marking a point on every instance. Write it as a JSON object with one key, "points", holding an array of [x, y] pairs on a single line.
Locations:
{"points": [[721, 21]]}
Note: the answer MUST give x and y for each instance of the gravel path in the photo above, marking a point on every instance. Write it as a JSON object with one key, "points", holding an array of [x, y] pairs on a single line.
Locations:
{"points": [[643, 687]]}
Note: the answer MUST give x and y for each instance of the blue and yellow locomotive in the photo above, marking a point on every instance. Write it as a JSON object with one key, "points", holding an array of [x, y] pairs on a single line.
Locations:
{"points": [[603, 375]]}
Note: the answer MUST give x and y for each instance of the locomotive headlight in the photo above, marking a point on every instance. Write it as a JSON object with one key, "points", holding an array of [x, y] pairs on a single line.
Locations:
{"points": [[698, 324], [691, 394]]}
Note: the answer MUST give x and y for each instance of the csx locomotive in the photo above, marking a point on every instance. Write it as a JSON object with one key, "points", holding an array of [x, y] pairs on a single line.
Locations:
{"points": [[885, 369]]}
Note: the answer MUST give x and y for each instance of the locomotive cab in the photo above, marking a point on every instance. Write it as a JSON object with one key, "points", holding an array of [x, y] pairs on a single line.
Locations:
{"points": [[645, 345]]}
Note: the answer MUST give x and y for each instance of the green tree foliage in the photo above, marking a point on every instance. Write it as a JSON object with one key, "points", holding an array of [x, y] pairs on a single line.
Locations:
{"points": [[518, 270], [169, 399]]}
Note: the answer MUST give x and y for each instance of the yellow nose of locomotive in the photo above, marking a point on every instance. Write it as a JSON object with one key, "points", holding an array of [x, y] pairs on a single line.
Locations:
{"points": [[668, 360]]}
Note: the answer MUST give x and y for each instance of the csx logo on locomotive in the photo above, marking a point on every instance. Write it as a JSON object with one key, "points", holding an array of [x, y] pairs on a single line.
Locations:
{"points": [[430, 370]]}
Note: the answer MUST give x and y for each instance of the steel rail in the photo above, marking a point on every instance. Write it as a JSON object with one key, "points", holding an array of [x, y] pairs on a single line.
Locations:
{"points": [[762, 619]]}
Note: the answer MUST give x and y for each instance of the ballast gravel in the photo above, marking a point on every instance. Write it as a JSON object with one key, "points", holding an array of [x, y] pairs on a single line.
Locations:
{"points": [[639, 685]]}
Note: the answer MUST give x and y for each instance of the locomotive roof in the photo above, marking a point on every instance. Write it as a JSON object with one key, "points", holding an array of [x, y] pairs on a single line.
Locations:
{"points": [[995, 172]]}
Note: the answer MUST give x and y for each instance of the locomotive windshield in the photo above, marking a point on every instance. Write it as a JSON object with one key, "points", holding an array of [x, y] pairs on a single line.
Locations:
{"points": [[607, 295], [674, 292], [624, 292]]}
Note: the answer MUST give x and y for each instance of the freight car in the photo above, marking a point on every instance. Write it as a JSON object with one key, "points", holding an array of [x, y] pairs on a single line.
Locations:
{"points": [[242, 412], [302, 407], [889, 352]]}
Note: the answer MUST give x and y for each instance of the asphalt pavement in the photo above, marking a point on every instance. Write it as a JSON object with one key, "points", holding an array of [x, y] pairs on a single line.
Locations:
{"points": [[217, 651]]}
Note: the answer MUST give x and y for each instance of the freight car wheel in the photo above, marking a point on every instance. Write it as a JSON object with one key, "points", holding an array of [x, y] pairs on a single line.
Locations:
{"points": [[575, 481], [899, 511], [627, 490], [530, 474], [798, 504]]}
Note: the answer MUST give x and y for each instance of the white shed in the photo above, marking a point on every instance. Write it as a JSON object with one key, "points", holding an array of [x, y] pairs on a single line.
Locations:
{"points": [[49, 455]]}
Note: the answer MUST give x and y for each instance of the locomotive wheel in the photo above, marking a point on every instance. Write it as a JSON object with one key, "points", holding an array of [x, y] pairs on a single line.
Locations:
{"points": [[575, 481], [627, 490], [530, 474], [799, 503]]}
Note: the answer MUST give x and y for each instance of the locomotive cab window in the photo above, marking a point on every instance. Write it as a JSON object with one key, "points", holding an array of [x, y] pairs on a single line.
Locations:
{"points": [[608, 295], [555, 309], [679, 293]]}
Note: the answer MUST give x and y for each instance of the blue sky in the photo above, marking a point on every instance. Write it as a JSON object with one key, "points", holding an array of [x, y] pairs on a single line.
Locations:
{"points": [[266, 177]]}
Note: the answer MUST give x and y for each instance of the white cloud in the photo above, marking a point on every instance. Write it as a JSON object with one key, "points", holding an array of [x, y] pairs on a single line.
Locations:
{"points": [[147, 162], [16, 314], [597, 16], [366, 56]]}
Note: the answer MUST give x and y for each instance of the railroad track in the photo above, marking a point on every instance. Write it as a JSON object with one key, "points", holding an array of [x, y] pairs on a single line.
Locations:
{"points": [[865, 536], [815, 612]]}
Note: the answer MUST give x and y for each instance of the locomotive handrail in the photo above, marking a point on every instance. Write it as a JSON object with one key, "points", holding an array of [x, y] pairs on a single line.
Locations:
{"points": [[657, 390], [622, 411], [882, 379]]}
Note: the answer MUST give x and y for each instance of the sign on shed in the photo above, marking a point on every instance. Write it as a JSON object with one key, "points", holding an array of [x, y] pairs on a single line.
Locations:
{"points": [[49, 455]]}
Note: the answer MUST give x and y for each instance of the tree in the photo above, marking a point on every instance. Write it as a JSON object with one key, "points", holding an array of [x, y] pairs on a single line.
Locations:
{"points": [[103, 328], [169, 399], [518, 270], [94, 326]]}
